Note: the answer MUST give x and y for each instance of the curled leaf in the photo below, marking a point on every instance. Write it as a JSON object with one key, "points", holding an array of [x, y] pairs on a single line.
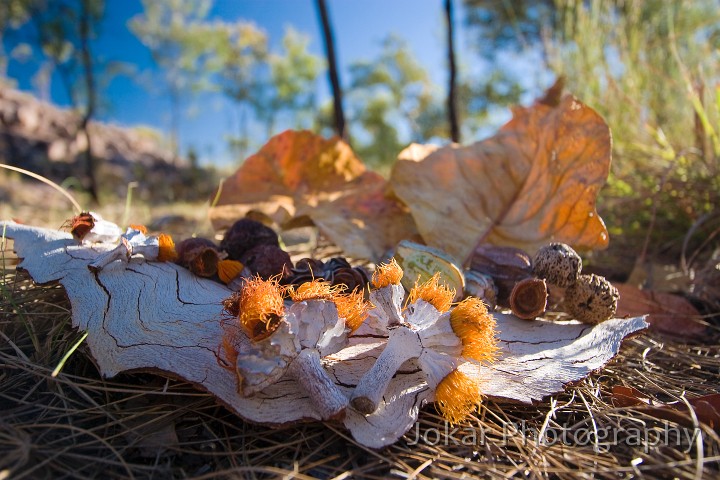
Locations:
{"points": [[532, 183], [300, 175]]}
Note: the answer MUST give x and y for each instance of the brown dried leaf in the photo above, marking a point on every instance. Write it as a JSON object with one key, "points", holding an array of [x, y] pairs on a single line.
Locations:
{"points": [[532, 183], [300, 174], [667, 313], [706, 407]]}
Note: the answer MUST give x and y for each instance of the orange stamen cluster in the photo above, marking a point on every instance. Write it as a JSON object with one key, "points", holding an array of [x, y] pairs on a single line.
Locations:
{"points": [[353, 308], [387, 274], [227, 270], [260, 307], [350, 306], [439, 296], [457, 396], [313, 290], [166, 252], [229, 356], [140, 228], [472, 323]]}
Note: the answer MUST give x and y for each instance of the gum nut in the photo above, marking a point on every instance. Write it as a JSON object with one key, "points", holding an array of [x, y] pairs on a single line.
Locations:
{"points": [[528, 299], [557, 263], [199, 255], [246, 234], [592, 299], [267, 261]]}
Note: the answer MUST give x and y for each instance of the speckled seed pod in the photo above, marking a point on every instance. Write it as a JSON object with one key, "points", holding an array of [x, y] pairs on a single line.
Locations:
{"points": [[246, 234], [557, 263], [592, 299], [267, 261]]}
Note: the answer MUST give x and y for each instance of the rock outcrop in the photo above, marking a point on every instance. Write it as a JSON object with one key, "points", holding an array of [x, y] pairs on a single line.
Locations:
{"points": [[45, 139]]}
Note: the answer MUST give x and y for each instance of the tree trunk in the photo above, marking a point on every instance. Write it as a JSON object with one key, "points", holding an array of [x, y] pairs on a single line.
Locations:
{"points": [[452, 91], [332, 70], [89, 77]]}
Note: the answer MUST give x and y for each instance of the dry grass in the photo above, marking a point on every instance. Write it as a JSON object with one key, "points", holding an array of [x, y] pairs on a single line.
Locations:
{"points": [[79, 425]]}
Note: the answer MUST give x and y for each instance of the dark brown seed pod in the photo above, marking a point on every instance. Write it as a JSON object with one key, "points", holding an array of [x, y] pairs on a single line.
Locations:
{"points": [[267, 261], [506, 265], [305, 270], [592, 299], [199, 255], [349, 279], [309, 265], [557, 263], [528, 299], [246, 234]]}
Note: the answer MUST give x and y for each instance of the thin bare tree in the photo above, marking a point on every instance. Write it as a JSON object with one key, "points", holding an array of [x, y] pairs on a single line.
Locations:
{"points": [[452, 78], [332, 69]]}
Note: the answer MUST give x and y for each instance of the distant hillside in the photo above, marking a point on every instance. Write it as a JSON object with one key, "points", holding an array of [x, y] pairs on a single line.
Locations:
{"points": [[43, 138]]}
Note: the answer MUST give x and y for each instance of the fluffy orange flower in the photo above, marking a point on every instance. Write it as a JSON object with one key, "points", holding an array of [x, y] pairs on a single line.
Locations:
{"points": [[353, 308], [166, 252], [457, 396], [260, 307], [387, 274], [312, 290], [439, 296], [475, 326]]}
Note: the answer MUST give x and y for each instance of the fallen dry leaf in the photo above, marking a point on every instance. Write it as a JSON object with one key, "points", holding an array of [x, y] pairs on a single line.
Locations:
{"points": [[706, 407], [667, 313], [300, 174], [147, 315], [534, 182]]}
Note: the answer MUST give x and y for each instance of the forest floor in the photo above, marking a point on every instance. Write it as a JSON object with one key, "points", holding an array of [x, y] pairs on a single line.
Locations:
{"points": [[141, 425]]}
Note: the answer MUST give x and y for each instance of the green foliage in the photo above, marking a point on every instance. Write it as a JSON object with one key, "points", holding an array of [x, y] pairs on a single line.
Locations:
{"points": [[651, 69], [386, 91], [291, 84], [172, 30], [13, 15], [507, 25]]}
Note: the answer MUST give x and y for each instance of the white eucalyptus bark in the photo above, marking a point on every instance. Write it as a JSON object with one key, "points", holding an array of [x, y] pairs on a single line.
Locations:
{"points": [[145, 315]]}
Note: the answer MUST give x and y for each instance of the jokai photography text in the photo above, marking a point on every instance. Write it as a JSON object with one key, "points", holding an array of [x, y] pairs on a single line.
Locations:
{"points": [[585, 434]]}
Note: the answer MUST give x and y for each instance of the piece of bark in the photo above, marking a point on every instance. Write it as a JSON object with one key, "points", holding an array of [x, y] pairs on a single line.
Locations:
{"points": [[144, 315]]}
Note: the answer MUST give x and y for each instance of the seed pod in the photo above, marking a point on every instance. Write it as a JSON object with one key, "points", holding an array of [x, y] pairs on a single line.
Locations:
{"points": [[267, 261], [557, 263], [349, 279], [481, 286], [529, 298], [199, 255], [246, 234], [592, 299], [90, 227], [506, 265]]}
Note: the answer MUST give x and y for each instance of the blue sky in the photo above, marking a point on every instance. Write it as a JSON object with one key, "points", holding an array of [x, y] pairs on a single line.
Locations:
{"points": [[359, 27]]}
